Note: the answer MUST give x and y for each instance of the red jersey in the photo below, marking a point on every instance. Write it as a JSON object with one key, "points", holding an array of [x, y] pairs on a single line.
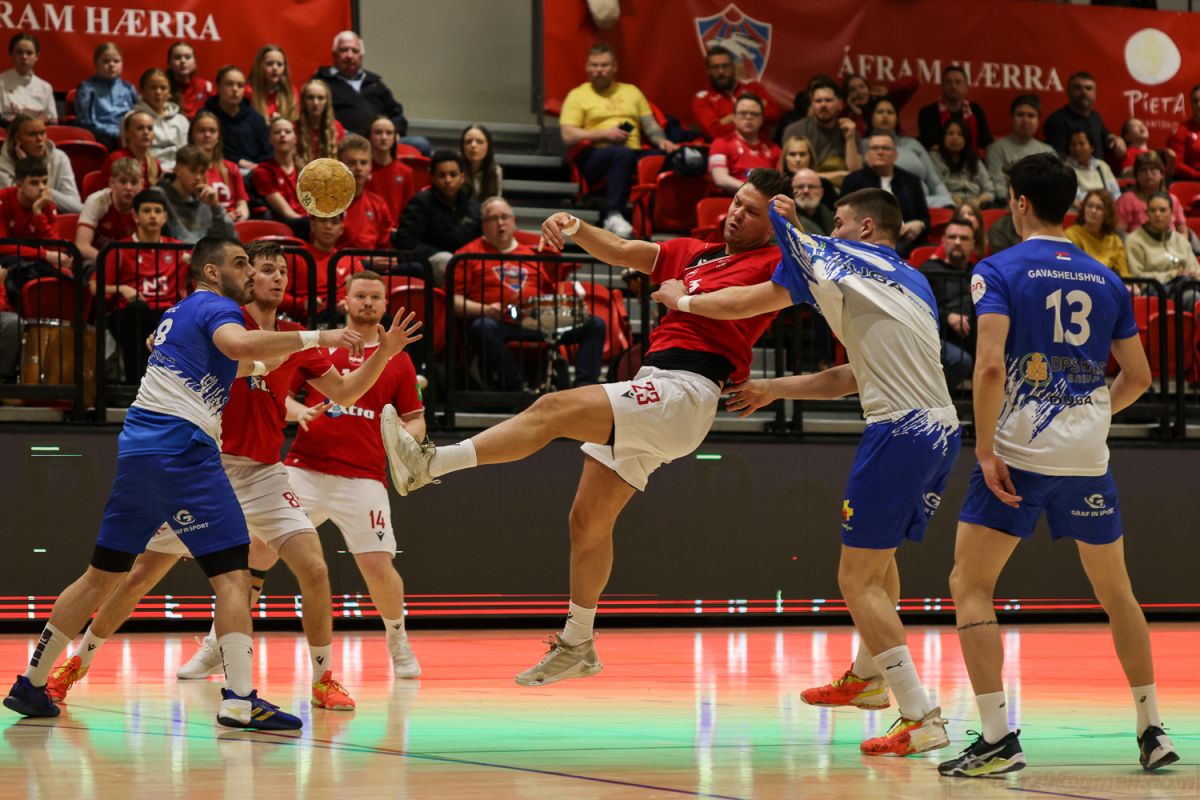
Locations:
{"points": [[271, 109], [709, 107], [739, 156], [150, 175], [108, 222], [346, 441], [368, 223], [314, 140], [160, 276], [394, 183], [296, 302], [18, 222], [704, 267], [192, 97], [269, 177], [506, 280], [253, 421], [229, 192]]}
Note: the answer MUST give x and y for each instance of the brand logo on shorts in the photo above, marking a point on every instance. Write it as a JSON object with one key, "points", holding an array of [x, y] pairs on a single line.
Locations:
{"points": [[185, 522], [184, 517], [1097, 505], [1094, 500], [847, 513], [932, 501]]}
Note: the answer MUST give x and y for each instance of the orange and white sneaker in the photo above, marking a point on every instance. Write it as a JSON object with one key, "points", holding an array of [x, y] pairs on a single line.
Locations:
{"points": [[907, 737], [63, 677], [850, 690], [328, 693]]}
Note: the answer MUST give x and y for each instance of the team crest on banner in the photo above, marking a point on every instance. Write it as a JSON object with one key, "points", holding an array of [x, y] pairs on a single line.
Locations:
{"points": [[747, 38]]}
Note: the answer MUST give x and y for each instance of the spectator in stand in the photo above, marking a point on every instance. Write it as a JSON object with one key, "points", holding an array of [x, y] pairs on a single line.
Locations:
{"points": [[491, 294], [971, 212], [188, 90], [142, 284], [103, 100], [1156, 250], [107, 215], [857, 92], [1090, 172], [275, 179], [1136, 136], [1149, 176], [270, 91], [27, 139], [881, 172], [611, 118], [193, 207], [484, 175], [1077, 115], [797, 154], [324, 233], [367, 221], [391, 178], [137, 136], [953, 105], [712, 108], [170, 125], [1002, 234], [22, 92], [243, 130], [1095, 232], [318, 134], [732, 157], [808, 192], [223, 175], [1185, 143], [954, 303], [441, 219], [27, 210], [910, 155], [961, 169], [835, 140], [1026, 110]]}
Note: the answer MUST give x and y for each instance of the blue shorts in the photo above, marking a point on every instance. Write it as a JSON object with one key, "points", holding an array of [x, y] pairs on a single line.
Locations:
{"points": [[1083, 507], [899, 474], [187, 490]]}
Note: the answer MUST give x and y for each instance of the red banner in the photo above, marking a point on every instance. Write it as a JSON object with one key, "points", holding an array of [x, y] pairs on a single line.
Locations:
{"points": [[1139, 58], [221, 31]]}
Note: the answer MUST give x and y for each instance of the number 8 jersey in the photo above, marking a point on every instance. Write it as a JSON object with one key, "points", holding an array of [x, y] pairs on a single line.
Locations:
{"points": [[1064, 309]]}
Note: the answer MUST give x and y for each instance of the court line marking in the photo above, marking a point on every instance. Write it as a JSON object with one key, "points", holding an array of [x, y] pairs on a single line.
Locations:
{"points": [[1056, 794]]}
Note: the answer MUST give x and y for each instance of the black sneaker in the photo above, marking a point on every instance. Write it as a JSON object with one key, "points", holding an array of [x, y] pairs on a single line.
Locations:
{"points": [[1156, 747], [982, 759], [32, 701]]}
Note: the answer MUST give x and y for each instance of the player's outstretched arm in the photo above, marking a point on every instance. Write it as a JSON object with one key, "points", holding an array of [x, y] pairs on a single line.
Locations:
{"points": [[242, 345], [247, 368], [733, 302], [606, 246], [346, 389], [1134, 378], [988, 388], [828, 384]]}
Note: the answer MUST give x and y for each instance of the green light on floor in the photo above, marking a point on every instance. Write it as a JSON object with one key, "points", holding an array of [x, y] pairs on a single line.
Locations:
{"points": [[53, 448], [708, 456], [39, 549]]}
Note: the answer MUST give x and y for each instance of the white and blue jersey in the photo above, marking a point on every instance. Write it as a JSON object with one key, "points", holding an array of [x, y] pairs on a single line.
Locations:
{"points": [[884, 313]]}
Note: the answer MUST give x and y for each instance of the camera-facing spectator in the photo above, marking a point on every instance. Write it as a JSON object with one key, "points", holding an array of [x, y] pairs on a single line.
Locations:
{"points": [[797, 154], [1095, 232], [857, 92], [103, 100], [1090, 172], [1149, 176], [484, 175], [137, 138], [223, 175], [21, 91], [441, 219], [275, 179], [391, 178], [193, 207], [323, 236], [961, 169], [270, 89], [953, 106], [1185, 142], [712, 108], [318, 134], [27, 209], [188, 90], [884, 117], [243, 130], [1026, 112], [368, 223], [809, 192], [1136, 136], [834, 138], [733, 156], [954, 303], [1156, 250], [1078, 115], [107, 215], [881, 172], [170, 125], [27, 139]]}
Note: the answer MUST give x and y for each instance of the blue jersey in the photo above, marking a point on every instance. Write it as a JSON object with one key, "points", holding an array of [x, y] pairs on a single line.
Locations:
{"points": [[187, 380], [1065, 309]]}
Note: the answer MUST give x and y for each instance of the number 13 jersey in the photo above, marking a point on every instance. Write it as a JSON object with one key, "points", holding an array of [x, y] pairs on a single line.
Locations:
{"points": [[1064, 309]]}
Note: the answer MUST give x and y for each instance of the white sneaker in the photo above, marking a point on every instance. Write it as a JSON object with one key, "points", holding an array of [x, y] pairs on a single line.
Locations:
{"points": [[562, 661], [615, 223], [408, 459], [206, 661], [404, 662]]}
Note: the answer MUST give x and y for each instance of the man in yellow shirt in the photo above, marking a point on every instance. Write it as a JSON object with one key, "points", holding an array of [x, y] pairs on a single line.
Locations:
{"points": [[614, 117]]}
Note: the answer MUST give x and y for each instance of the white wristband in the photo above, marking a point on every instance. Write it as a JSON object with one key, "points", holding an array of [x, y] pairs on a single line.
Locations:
{"points": [[572, 227], [259, 368], [683, 303], [309, 339]]}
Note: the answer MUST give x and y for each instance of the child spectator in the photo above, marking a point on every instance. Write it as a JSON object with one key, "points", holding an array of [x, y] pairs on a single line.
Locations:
{"points": [[243, 130], [323, 237], [189, 91], [170, 125], [441, 219], [27, 139], [193, 208], [27, 210], [22, 92], [270, 90], [137, 139], [318, 134], [484, 175], [223, 175], [107, 215], [368, 222], [104, 99], [391, 178], [275, 180]]}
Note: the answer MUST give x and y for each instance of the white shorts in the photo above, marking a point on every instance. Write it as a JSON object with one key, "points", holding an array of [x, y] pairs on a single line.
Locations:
{"points": [[658, 416], [273, 509], [359, 507]]}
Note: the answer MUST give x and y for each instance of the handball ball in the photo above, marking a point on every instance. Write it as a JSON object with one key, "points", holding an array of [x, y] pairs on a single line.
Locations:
{"points": [[325, 187]]}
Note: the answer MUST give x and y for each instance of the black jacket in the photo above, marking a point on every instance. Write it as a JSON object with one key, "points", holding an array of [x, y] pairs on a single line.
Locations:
{"points": [[929, 126], [907, 190], [430, 225], [1062, 123], [952, 290], [244, 135], [355, 110]]}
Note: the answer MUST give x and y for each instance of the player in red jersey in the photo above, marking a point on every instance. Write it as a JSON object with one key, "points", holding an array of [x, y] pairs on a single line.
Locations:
{"points": [[368, 222], [336, 464], [629, 429], [252, 437]]}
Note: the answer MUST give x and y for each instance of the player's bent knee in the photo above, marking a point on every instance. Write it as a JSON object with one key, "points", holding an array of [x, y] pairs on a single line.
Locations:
{"points": [[105, 559], [231, 559]]}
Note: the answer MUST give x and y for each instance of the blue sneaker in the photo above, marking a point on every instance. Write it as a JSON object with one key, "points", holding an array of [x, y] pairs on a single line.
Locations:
{"points": [[29, 700], [261, 715]]}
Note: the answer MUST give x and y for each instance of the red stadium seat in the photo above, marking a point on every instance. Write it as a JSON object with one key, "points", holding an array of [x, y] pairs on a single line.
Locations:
{"points": [[69, 106], [1154, 343], [250, 229], [609, 305], [990, 215], [403, 150], [938, 219], [49, 298], [92, 182], [1194, 224], [419, 165], [411, 296], [85, 157], [710, 219], [68, 133], [920, 255], [1069, 219], [65, 226], [1186, 192]]}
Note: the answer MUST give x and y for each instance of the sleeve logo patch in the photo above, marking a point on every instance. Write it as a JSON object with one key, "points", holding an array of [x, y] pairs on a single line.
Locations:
{"points": [[978, 288]]}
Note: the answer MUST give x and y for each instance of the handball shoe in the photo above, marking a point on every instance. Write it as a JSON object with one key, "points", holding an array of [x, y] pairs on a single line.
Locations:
{"points": [[408, 459], [328, 693], [1156, 749], [909, 736], [255, 713], [982, 759], [29, 700], [404, 662], [850, 690], [562, 661], [63, 677], [206, 661]]}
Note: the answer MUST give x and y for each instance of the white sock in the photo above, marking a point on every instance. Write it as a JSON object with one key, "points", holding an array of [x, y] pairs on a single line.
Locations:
{"points": [[993, 714], [579, 624], [88, 647], [864, 663], [897, 668], [237, 651], [453, 457], [395, 627], [321, 658], [1145, 700], [49, 647]]}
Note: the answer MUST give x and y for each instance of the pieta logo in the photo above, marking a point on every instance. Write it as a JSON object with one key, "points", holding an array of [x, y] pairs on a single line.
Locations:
{"points": [[747, 38]]}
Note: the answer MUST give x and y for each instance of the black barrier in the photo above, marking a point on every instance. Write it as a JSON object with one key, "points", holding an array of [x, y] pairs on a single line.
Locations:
{"points": [[43, 332], [1186, 345], [1155, 325]]}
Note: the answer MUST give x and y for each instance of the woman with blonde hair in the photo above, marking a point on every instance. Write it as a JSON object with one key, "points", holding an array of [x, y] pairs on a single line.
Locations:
{"points": [[270, 89], [317, 132], [798, 153], [1095, 231], [170, 125], [137, 141], [27, 138], [223, 175]]}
